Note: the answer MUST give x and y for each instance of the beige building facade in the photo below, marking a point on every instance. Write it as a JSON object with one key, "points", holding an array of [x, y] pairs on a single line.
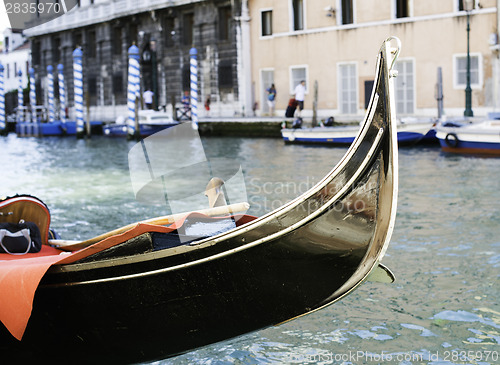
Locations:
{"points": [[332, 45]]}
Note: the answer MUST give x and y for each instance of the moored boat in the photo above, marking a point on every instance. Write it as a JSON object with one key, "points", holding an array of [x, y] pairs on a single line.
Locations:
{"points": [[481, 138], [410, 131], [56, 128], [138, 296], [150, 122]]}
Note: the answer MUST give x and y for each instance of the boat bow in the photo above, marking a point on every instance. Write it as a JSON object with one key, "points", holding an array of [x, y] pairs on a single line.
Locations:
{"points": [[353, 208]]}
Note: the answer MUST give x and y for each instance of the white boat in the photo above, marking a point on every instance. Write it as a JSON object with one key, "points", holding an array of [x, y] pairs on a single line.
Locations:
{"points": [[410, 131], [472, 138], [150, 122]]}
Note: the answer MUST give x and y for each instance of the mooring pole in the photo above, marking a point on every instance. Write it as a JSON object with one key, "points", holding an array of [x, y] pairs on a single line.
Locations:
{"points": [[33, 95], [20, 97], [3, 124], [193, 54], [78, 89], [134, 74], [62, 97], [50, 77]]}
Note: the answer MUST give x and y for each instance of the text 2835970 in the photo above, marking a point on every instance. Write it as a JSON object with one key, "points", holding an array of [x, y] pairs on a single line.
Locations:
{"points": [[41, 7]]}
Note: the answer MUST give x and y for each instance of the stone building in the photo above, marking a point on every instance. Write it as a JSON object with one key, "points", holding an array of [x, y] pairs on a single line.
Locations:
{"points": [[164, 31], [246, 45], [335, 42], [14, 57]]}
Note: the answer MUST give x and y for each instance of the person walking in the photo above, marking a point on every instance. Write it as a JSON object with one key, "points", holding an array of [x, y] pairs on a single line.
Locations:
{"points": [[271, 99], [148, 98], [300, 94], [207, 106]]}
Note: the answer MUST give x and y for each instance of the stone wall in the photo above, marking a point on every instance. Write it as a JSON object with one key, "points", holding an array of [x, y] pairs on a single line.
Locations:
{"points": [[164, 38]]}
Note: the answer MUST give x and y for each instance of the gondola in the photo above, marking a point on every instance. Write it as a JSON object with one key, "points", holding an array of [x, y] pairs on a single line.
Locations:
{"points": [[128, 302]]}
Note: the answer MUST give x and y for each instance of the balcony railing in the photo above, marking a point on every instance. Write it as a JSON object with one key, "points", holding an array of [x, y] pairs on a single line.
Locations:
{"points": [[101, 12]]}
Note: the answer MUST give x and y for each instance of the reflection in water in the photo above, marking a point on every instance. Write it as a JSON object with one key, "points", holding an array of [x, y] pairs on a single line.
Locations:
{"points": [[445, 250]]}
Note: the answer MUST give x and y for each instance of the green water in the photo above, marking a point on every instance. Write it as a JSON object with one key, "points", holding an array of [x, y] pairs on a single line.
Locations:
{"points": [[445, 250]]}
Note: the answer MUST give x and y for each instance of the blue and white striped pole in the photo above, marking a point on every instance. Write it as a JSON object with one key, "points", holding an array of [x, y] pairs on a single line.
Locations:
{"points": [[62, 96], [193, 54], [50, 77], [32, 95], [133, 90], [20, 97], [78, 90], [2, 102]]}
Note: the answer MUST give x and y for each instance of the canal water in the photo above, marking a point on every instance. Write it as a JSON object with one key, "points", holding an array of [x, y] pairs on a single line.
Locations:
{"points": [[445, 250]]}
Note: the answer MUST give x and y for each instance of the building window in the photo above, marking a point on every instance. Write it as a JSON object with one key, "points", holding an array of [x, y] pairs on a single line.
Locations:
{"points": [[117, 83], [225, 75], [116, 43], [347, 12], [348, 88], [402, 8], [92, 85], [461, 5], [188, 25], [298, 74], [266, 18], [186, 77], [169, 28], [405, 87], [77, 40], [298, 14], [460, 79], [91, 44], [56, 50], [45, 59], [56, 86], [35, 52], [225, 19], [131, 35]]}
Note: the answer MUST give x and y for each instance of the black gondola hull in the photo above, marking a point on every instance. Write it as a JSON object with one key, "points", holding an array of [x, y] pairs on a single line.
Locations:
{"points": [[173, 312], [125, 306]]}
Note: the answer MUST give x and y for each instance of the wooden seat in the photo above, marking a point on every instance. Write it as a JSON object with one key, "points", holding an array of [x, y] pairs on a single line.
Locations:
{"points": [[29, 209]]}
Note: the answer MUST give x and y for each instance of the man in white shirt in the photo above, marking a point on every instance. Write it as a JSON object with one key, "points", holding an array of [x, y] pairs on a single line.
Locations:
{"points": [[300, 93], [148, 99]]}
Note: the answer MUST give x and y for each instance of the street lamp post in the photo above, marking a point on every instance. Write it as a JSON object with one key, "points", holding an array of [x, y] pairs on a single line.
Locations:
{"points": [[468, 5], [153, 73]]}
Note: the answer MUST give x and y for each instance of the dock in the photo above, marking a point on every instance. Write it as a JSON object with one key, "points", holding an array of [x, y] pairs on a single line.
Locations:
{"points": [[269, 127]]}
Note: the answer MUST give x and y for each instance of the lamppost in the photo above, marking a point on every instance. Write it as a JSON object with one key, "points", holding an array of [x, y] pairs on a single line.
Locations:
{"points": [[468, 5], [152, 45]]}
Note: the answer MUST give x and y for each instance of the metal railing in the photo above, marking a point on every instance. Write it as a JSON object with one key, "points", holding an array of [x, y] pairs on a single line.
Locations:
{"points": [[101, 12]]}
